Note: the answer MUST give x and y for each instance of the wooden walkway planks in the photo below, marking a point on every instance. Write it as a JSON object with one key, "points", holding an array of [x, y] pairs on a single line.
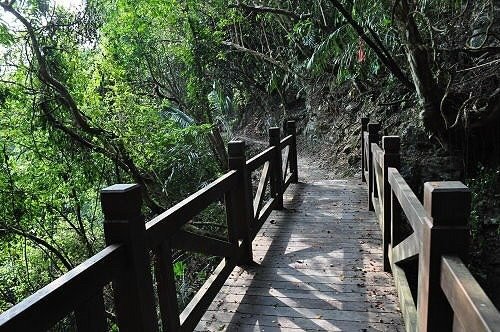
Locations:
{"points": [[318, 267]]}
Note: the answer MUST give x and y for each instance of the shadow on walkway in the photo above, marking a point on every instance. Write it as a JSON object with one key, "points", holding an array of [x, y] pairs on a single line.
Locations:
{"points": [[317, 267]]}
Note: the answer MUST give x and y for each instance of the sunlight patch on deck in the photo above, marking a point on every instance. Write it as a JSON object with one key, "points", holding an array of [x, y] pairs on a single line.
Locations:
{"points": [[318, 267]]}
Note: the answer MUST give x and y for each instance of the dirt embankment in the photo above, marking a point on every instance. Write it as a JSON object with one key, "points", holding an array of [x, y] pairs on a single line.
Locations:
{"points": [[330, 136]]}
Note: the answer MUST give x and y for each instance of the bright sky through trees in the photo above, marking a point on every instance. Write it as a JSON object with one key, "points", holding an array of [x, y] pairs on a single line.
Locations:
{"points": [[8, 20], [69, 4]]}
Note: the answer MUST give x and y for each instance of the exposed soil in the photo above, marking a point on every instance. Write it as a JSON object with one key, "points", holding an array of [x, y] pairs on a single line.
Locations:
{"points": [[310, 167]]}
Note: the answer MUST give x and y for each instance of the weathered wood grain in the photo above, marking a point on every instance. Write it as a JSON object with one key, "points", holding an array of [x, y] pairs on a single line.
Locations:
{"points": [[373, 296], [472, 307], [313, 270], [408, 307], [409, 248], [220, 321], [308, 303], [446, 232], [410, 204]]}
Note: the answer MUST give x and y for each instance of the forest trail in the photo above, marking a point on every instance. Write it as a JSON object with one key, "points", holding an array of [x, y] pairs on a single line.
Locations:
{"points": [[318, 266], [309, 168]]}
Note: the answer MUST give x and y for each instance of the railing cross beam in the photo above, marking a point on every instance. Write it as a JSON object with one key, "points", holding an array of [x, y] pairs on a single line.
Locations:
{"points": [[126, 260]]}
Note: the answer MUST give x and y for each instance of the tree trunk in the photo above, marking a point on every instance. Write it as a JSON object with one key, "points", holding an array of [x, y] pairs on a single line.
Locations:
{"points": [[219, 148], [428, 90], [376, 45]]}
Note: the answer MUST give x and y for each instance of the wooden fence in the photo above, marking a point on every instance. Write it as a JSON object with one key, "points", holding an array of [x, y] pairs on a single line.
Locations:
{"points": [[448, 297], [130, 243]]}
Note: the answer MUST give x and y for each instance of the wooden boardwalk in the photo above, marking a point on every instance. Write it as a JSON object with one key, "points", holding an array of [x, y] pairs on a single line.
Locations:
{"points": [[317, 264], [318, 267]]}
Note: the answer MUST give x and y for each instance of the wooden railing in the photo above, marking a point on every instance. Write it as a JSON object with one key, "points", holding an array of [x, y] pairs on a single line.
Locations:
{"points": [[130, 244], [448, 297]]}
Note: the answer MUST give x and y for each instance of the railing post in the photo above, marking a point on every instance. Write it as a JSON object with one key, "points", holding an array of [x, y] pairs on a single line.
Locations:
{"points": [[373, 137], [291, 129], [446, 232], [364, 127], [166, 289], [239, 203], [391, 146], [277, 172], [133, 291]]}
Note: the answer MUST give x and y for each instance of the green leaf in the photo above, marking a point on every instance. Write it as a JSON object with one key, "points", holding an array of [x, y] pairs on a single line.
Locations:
{"points": [[179, 269], [6, 38]]}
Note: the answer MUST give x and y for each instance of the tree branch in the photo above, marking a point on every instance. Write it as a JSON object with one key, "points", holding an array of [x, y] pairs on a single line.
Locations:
{"points": [[112, 147], [386, 59], [67, 264], [278, 11], [45, 75], [262, 56]]}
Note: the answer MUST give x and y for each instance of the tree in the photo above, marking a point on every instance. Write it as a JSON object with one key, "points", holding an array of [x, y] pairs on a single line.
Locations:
{"points": [[73, 122]]}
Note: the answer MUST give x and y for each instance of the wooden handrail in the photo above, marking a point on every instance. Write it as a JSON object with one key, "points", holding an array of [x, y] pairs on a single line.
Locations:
{"points": [[259, 160], [126, 259], [474, 311], [50, 304], [448, 296], [286, 141], [378, 154], [412, 208], [170, 221]]}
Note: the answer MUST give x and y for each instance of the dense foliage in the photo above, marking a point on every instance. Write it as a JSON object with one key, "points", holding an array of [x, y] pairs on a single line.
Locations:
{"points": [[148, 91], [78, 112]]}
